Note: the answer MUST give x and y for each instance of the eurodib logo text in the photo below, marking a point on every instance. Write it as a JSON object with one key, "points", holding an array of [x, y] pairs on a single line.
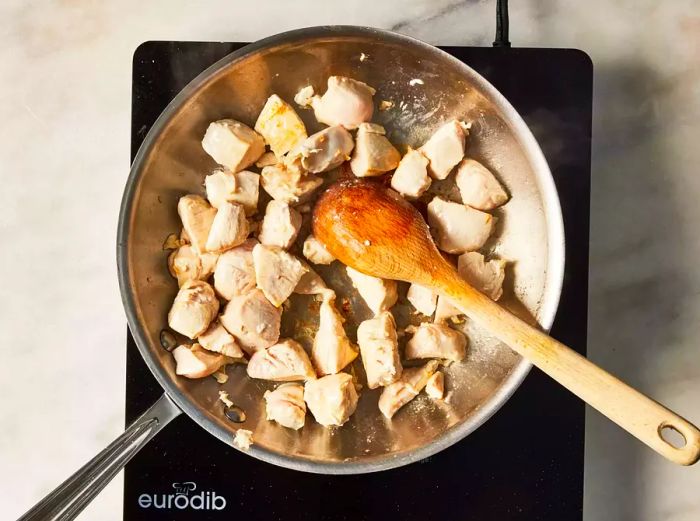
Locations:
{"points": [[184, 497]]}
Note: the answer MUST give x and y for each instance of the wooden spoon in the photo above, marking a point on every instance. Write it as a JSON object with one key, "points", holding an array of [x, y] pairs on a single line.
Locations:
{"points": [[372, 229]]}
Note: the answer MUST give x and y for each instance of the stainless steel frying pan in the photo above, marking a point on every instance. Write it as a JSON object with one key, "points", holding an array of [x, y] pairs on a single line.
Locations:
{"points": [[427, 87]]}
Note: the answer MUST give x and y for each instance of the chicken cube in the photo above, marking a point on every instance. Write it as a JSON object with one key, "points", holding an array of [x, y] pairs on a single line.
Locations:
{"points": [[218, 340], [457, 227], [226, 187], [435, 386], [378, 294], [186, 264], [346, 102], [280, 225], [326, 149], [412, 381], [197, 216], [235, 272], [194, 308], [277, 272], [374, 154], [286, 406], [422, 298], [316, 252], [445, 149], [331, 399], [229, 228], [285, 361], [332, 350], [478, 186], [311, 283], [289, 184], [232, 144], [304, 97], [252, 320], [267, 159], [487, 277], [445, 310], [280, 125], [436, 341], [380, 350], [195, 362], [411, 177]]}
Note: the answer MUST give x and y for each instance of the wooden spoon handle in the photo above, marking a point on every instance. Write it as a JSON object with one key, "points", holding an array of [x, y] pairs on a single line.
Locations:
{"points": [[636, 413]]}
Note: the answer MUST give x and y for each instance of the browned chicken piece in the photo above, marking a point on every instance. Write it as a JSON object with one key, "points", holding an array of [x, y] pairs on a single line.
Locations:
{"points": [[435, 387], [194, 308], [445, 148], [285, 361], [289, 184], [411, 177], [229, 228], [412, 381], [316, 252], [332, 350], [326, 149], [235, 272], [252, 320], [422, 298], [232, 144], [478, 186], [267, 159], [195, 362], [374, 154], [379, 294], [331, 399], [486, 276], [458, 228], [186, 264], [197, 216], [277, 272], [280, 125], [436, 341], [346, 102], [379, 349], [280, 225], [218, 340], [286, 405]]}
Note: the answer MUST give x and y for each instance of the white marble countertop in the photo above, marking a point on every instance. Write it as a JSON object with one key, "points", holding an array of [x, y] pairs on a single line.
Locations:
{"points": [[64, 156]]}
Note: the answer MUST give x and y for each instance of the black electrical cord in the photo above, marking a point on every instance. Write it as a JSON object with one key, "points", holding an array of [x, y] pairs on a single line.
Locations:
{"points": [[501, 24]]}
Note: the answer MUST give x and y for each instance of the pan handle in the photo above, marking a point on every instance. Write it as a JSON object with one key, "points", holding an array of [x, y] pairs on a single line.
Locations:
{"points": [[74, 494]]}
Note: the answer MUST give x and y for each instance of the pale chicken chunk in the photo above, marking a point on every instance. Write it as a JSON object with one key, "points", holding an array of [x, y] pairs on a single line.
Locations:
{"points": [[289, 184], [235, 272], [280, 125], [411, 177], [285, 361], [458, 228], [346, 102], [218, 340], [478, 186], [378, 294], [412, 381], [436, 341], [326, 149], [233, 144], [422, 298], [445, 310], [197, 216], [379, 349], [316, 252], [229, 228], [304, 96], [194, 308], [280, 225], [435, 386], [247, 191], [445, 149], [195, 362], [486, 276], [286, 405], [186, 264], [242, 188], [332, 350], [276, 272], [252, 320], [331, 399], [267, 159], [374, 154], [311, 283]]}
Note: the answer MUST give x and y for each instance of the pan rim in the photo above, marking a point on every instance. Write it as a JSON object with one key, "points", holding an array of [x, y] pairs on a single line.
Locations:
{"points": [[550, 298]]}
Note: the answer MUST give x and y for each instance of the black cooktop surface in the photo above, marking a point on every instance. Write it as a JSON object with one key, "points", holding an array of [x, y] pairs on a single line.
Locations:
{"points": [[525, 463]]}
